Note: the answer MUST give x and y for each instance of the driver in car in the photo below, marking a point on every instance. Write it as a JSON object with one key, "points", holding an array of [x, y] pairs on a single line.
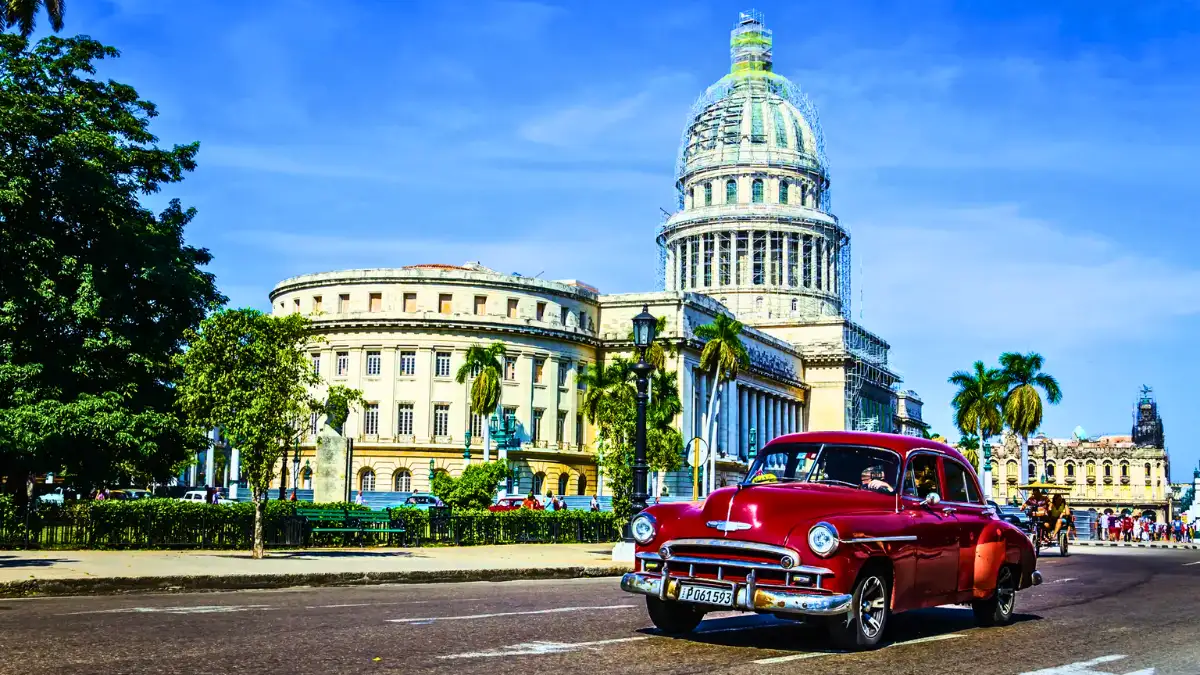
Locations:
{"points": [[872, 479]]}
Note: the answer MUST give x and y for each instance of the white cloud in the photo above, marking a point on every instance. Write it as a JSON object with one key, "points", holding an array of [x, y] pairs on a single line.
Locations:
{"points": [[994, 274]]}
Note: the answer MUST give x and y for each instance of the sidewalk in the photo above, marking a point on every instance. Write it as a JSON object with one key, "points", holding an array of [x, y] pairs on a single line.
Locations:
{"points": [[1138, 544], [24, 573]]}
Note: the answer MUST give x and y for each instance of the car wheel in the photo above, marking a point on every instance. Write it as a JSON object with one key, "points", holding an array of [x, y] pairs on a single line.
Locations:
{"points": [[998, 609], [673, 618], [862, 627], [1062, 543]]}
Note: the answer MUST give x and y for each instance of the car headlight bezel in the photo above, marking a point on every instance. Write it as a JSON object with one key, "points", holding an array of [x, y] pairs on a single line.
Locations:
{"points": [[644, 528], [823, 539]]}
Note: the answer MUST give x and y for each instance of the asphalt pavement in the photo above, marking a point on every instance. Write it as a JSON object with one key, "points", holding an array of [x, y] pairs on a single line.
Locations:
{"points": [[1115, 611]]}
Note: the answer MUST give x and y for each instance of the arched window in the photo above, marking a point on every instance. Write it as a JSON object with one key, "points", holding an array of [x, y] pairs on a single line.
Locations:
{"points": [[564, 481], [1147, 469], [539, 479], [708, 194], [306, 479], [1032, 470], [581, 486], [795, 304], [1011, 471], [1124, 470], [731, 191], [1091, 469], [803, 195], [758, 304], [783, 191], [366, 481], [780, 128], [1107, 470], [1050, 470], [756, 191], [402, 480], [1070, 470], [692, 198]]}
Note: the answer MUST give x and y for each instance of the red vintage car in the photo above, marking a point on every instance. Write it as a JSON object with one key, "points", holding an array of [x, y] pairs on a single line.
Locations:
{"points": [[841, 527]]}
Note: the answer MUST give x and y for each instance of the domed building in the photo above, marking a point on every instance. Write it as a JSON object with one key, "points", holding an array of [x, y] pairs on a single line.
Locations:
{"points": [[754, 238]]}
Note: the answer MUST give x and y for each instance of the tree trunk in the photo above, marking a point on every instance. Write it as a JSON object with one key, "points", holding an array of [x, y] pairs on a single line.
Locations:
{"points": [[709, 423], [1024, 468], [260, 514]]}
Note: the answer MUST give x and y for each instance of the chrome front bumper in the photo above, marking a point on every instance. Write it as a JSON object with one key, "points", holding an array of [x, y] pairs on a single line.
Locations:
{"points": [[747, 597]]}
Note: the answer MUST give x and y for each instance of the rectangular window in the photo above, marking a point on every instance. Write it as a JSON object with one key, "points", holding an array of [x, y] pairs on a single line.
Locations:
{"points": [[757, 133], [583, 320], [780, 128], [512, 308], [376, 304], [371, 419], [510, 411], [404, 419], [477, 425], [541, 311], [563, 314], [343, 364], [313, 426], [316, 364], [316, 304], [563, 367], [343, 303], [580, 369], [481, 304], [296, 305], [579, 430], [921, 477], [708, 194], [960, 487], [410, 302], [374, 363], [444, 303], [539, 368], [441, 419], [408, 364], [442, 364], [537, 424], [561, 428], [510, 368]]}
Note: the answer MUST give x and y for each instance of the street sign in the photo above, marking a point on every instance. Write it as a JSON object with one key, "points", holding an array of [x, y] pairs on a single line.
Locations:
{"points": [[690, 452]]}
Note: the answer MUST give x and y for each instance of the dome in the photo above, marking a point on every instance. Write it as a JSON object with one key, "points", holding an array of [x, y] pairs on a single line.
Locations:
{"points": [[752, 116]]}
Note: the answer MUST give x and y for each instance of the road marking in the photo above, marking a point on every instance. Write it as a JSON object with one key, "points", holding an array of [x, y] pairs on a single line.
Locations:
{"points": [[541, 647], [1085, 668], [382, 604], [1191, 563], [193, 609], [556, 610], [1063, 581], [813, 655]]}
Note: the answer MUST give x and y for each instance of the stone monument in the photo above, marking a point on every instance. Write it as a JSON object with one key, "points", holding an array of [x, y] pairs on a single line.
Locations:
{"points": [[329, 473]]}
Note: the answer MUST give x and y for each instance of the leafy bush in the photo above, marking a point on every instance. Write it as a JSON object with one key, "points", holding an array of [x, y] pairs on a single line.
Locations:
{"points": [[474, 489]]}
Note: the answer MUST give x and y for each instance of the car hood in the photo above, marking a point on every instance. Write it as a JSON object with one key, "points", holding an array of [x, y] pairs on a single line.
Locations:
{"points": [[768, 513]]}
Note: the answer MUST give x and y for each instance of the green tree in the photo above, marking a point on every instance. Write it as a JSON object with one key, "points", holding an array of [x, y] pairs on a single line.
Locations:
{"points": [[22, 14], [1022, 377], [664, 443], [722, 357], [340, 400], [977, 410], [96, 291], [968, 445], [660, 348], [486, 365], [249, 374], [609, 404], [474, 489]]}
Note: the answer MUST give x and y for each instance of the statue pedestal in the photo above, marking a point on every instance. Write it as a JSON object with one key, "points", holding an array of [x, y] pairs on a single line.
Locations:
{"points": [[329, 472]]}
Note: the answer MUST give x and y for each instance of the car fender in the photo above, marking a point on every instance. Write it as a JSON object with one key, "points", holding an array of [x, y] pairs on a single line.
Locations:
{"points": [[1001, 543]]}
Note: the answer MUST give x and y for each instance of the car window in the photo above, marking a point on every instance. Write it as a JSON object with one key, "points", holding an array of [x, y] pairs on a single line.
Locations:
{"points": [[960, 486], [849, 465], [921, 477]]}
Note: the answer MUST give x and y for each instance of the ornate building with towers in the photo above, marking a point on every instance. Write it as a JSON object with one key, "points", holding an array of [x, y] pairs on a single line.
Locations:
{"points": [[754, 237]]}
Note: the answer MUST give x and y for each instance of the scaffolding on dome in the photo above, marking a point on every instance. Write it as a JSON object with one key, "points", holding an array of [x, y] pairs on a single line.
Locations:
{"points": [[868, 354]]}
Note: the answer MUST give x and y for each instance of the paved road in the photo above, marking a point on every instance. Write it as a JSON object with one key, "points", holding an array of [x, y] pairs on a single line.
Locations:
{"points": [[1124, 611]]}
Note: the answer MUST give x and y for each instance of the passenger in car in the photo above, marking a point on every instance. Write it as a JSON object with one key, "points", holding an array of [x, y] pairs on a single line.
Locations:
{"points": [[872, 479]]}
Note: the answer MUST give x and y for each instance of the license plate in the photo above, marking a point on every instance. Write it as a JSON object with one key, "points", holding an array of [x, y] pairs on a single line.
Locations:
{"points": [[706, 595]]}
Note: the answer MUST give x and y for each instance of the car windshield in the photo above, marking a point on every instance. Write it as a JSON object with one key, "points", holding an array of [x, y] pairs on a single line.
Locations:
{"points": [[855, 466]]}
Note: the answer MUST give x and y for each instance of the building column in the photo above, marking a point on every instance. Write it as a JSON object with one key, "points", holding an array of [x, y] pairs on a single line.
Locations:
{"points": [[234, 472], [743, 422], [669, 272], [779, 417], [731, 417], [760, 417], [686, 399], [209, 456]]}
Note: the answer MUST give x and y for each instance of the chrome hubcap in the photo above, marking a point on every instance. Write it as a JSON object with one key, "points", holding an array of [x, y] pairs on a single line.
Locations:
{"points": [[871, 606], [1005, 592]]}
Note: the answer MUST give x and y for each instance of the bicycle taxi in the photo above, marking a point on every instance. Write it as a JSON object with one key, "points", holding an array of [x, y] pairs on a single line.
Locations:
{"points": [[1049, 514]]}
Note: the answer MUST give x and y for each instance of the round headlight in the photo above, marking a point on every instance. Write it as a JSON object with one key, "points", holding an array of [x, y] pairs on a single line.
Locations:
{"points": [[644, 528], [823, 539]]}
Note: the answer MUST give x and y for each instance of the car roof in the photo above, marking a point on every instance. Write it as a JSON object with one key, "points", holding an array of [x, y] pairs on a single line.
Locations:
{"points": [[899, 443]]}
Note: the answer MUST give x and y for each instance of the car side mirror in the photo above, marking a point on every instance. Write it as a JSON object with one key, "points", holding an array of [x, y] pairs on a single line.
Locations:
{"points": [[931, 499]]}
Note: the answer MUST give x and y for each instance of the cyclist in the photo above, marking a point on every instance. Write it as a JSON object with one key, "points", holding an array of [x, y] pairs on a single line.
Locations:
{"points": [[1060, 516]]}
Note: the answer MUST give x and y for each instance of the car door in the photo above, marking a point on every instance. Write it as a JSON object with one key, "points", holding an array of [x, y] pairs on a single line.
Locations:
{"points": [[936, 529], [970, 513]]}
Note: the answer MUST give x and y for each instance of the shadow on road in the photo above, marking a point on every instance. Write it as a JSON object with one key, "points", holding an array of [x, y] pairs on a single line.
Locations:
{"points": [[767, 632], [7, 561]]}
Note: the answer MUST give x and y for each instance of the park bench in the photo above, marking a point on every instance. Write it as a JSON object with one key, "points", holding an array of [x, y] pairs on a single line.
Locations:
{"points": [[358, 523]]}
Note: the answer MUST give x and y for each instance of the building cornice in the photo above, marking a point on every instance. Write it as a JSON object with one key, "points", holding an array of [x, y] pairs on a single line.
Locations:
{"points": [[476, 279], [442, 324]]}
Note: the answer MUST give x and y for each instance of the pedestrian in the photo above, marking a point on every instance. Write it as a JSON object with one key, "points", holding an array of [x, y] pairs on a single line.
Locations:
{"points": [[358, 498], [595, 504], [553, 501]]}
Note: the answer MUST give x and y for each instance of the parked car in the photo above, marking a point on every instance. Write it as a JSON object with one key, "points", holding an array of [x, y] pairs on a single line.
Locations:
{"points": [[199, 495], [1014, 515], [843, 528], [421, 500], [57, 495], [512, 504]]}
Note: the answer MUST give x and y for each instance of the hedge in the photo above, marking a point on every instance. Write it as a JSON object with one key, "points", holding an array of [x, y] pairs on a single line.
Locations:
{"points": [[169, 523]]}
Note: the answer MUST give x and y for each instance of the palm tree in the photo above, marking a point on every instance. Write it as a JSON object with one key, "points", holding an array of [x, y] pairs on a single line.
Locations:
{"points": [[969, 447], [1022, 376], [21, 13], [485, 364], [977, 410], [723, 355], [664, 443]]}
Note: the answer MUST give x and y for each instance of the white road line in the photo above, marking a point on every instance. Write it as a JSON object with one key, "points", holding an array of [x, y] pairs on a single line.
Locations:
{"points": [[192, 609], [813, 655], [537, 648], [1085, 667], [1063, 581], [1191, 563], [431, 619]]}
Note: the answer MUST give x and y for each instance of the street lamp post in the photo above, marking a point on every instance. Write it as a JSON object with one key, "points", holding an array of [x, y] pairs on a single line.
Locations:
{"points": [[643, 335], [295, 469], [467, 446], [431, 471]]}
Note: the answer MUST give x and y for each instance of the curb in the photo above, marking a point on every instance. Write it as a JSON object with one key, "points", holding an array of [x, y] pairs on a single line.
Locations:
{"points": [[1125, 544], [192, 584]]}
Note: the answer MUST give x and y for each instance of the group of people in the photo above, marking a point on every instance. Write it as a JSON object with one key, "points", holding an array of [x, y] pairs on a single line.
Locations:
{"points": [[1125, 527]]}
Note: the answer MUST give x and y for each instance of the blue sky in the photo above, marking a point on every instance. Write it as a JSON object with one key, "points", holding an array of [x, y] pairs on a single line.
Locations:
{"points": [[1015, 176]]}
